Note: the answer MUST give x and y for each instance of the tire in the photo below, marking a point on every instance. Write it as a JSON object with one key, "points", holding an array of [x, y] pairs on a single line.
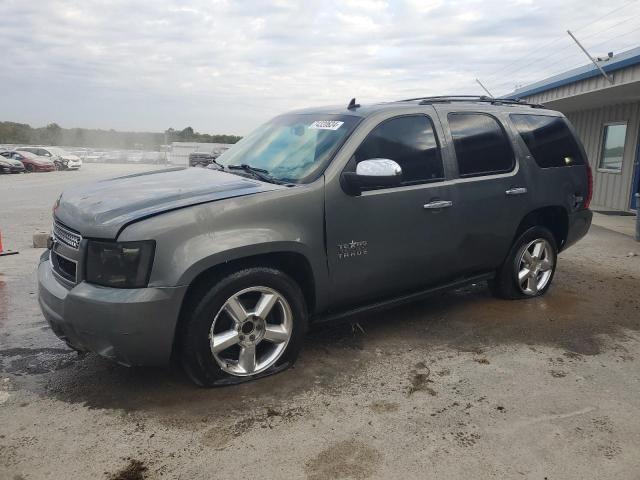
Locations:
{"points": [[29, 168], [538, 278], [209, 312]]}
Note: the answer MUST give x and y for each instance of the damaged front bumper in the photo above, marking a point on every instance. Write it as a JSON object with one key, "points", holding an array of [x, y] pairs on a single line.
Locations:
{"points": [[129, 326]]}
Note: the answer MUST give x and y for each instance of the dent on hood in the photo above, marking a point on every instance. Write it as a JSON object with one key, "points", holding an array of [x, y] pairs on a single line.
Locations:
{"points": [[102, 209]]}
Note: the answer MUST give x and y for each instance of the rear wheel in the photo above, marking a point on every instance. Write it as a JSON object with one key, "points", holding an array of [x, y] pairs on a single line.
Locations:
{"points": [[530, 266], [249, 324]]}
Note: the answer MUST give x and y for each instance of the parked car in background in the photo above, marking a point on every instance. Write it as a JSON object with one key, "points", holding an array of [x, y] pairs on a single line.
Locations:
{"points": [[10, 165], [62, 160], [203, 159], [115, 156], [156, 158], [135, 157], [31, 161]]}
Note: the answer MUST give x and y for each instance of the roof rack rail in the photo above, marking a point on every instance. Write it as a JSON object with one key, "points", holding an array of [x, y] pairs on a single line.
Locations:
{"points": [[471, 98]]}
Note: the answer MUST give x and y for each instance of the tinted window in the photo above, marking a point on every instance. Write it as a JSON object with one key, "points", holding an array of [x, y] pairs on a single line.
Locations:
{"points": [[481, 145], [411, 142], [613, 147], [549, 140]]}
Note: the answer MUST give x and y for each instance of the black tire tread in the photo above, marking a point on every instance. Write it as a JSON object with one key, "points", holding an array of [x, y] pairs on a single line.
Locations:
{"points": [[197, 362], [504, 284]]}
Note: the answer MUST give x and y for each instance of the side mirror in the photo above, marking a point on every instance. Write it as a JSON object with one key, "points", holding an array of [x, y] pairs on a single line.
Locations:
{"points": [[372, 173]]}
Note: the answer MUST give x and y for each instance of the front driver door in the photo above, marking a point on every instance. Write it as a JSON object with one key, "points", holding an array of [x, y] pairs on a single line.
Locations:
{"points": [[385, 241]]}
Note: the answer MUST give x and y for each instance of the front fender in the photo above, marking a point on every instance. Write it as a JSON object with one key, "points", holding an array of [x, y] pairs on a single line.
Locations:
{"points": [[242, 246], [191, 240]]}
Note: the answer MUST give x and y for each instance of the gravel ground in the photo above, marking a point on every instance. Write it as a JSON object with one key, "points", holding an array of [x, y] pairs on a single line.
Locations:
{"points": [[458, 386]]}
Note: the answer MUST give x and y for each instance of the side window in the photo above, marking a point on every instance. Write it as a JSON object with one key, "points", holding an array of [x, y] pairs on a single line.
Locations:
{"points": [[411, 142], [613, 147], [549, 140], [482, 147]]}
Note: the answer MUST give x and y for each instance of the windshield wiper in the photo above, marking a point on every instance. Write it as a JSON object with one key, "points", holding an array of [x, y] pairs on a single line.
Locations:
{"points": [[215, 162], [259, 173]]}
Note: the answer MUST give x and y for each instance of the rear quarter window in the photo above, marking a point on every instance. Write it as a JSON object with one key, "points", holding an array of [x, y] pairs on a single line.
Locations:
{"points": [[549, 140]]}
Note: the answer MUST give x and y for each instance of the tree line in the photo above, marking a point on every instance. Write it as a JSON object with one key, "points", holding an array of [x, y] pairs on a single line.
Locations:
{"points": [[54, 135]]}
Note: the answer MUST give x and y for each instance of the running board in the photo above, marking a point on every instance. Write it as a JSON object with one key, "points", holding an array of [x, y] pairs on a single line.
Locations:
{"points": [[397, 301]]}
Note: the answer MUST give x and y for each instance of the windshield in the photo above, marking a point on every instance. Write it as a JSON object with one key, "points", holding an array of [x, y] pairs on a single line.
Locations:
{"points": [[292, 148]]}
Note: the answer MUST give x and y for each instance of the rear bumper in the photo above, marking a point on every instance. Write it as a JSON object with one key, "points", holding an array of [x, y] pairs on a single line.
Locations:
{"points": [[579, 224], [129, 326]]}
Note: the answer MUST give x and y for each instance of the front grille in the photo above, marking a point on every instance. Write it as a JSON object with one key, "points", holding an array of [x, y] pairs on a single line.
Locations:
{"points": [[66, 236], [64, 267]]}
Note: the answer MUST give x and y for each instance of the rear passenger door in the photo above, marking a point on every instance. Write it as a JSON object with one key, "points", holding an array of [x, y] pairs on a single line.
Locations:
{"points": [[490, 189]]}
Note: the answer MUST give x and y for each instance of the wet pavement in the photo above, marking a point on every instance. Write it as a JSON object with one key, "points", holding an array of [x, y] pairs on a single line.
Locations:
{"points": [[458, 386]]}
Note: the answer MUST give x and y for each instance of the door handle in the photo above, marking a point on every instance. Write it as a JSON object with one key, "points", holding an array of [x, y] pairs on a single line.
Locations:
{"points": [[438, 204], [516, 191]]}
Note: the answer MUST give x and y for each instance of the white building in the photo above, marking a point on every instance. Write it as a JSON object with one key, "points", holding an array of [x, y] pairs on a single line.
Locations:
{"points": [[606, 115]]}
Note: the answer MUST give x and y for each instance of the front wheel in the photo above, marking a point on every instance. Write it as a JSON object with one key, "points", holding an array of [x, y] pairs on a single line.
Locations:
{"points": [[530, 266], [247, 325]]}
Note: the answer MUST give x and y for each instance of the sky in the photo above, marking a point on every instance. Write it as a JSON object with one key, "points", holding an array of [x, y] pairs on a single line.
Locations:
{"points": [[226, 66]]}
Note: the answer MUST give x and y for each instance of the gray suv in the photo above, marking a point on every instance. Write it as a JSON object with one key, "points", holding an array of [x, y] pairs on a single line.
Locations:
{"points": [[317, 215]]}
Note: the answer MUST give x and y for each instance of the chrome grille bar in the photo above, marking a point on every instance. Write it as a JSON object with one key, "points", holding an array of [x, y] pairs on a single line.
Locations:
{"points": [[66, 236]]}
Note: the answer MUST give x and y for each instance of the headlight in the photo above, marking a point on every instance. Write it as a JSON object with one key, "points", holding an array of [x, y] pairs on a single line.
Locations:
{"points": [[120, 264]]}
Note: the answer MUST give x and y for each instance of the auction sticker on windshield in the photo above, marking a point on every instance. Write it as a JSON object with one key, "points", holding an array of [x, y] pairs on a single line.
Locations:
{"points": [[325, 125]]}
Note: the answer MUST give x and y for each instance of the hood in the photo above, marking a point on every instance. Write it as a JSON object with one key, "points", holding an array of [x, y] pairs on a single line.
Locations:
{"points": [[71, 157], [102, 209]]}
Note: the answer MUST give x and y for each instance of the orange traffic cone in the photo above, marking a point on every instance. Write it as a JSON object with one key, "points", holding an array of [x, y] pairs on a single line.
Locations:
{"points": [[4, 252]]}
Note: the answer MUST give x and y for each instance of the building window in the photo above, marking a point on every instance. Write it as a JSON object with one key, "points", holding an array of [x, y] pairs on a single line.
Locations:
{"points": [[613, 147], [481, 145]]}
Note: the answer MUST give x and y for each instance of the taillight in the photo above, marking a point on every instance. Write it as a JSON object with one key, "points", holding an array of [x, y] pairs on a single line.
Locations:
{"points": [[587, 201]]}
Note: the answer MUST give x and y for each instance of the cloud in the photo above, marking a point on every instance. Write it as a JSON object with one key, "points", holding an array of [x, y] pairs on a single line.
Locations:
{"points": [[225, 66]]}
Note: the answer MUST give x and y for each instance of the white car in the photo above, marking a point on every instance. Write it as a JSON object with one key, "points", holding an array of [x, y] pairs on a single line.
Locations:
{"points": [[62, 159]]}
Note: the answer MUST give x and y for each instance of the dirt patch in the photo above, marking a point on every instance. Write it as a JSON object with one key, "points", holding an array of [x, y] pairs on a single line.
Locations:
{"points": [[384, 407], [466, 439], [482, 360], [420, 383], [220, 437], [135, 470], [350, 459], [23, 361]]}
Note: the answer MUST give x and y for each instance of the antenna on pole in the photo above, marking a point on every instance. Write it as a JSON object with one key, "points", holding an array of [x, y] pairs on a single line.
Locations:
{"points": [[485, 88], [604, 74]]}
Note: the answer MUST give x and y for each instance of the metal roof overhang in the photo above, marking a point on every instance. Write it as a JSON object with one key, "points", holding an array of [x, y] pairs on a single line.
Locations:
{"points": [[627, 92]]}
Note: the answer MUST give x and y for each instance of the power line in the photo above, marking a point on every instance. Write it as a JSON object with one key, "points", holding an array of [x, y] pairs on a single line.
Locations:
{"points": [[561, 38], [509, 83], [565, 57], [557, 52]]}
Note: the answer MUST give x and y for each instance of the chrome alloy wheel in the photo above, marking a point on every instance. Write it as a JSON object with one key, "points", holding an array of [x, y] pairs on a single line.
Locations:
{"points": [[535, 266], [251, 331]]}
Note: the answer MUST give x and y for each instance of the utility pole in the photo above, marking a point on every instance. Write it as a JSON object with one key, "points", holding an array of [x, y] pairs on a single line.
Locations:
{"points": [[484, 88], [604, 74]]}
